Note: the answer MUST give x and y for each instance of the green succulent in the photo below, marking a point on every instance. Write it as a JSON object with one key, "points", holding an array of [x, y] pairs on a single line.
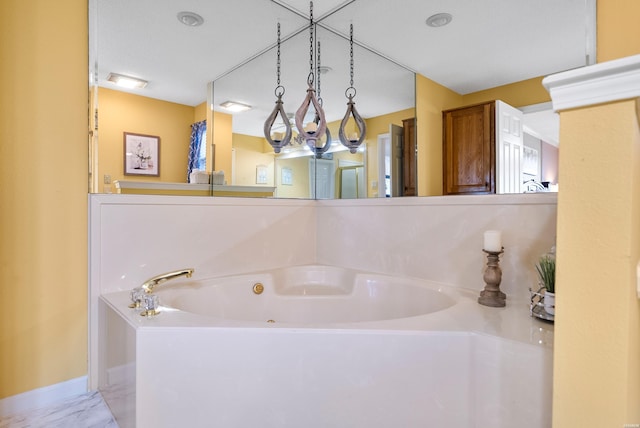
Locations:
{"points": [[546, 268]]}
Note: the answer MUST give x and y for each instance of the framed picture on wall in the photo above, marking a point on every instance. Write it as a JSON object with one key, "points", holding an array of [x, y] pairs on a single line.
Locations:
{"points": [[261, 174], [141, 154], [530, 161], [287, 176]]}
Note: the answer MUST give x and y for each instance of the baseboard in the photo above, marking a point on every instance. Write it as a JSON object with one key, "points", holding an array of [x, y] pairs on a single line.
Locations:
{"points": [[42, 397]]}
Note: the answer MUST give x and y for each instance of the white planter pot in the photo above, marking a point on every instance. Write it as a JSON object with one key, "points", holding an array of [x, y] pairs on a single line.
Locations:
{"points": [[550, 303]]}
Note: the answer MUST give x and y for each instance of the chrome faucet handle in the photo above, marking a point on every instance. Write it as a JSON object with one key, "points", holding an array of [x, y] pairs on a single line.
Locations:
{"points": [[150, 303], [137, 294]]}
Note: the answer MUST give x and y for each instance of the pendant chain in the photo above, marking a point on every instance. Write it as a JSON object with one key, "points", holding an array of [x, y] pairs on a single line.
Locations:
{"points": [[351, 54], [311, 26], [278, 57], [318, 72]]}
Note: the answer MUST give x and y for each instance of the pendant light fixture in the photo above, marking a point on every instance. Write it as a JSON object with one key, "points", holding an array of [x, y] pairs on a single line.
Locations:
{"points": [[353, 139], [319, 147], [316, 129], [278, 139]]}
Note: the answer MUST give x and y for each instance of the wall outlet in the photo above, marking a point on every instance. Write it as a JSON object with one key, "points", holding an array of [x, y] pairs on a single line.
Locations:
{"points": [[107, 179]]}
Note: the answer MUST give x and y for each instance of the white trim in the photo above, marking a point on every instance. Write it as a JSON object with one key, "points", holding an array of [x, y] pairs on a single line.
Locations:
{"points": [[610, 81], [123, 184], [540, 198], [535, 108], [42, 397]]}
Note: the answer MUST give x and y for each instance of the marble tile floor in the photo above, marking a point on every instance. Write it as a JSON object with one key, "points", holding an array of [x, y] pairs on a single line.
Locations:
{"points": [[84, 411]]}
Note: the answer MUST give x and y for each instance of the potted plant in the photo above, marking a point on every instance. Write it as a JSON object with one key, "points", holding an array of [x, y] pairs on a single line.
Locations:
{"points": [[546, 268]]}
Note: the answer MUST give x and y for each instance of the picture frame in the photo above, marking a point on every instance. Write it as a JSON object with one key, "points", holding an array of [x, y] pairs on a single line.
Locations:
{"points": [[141, 154], [287, 177], [261, 174], [530, 161]]}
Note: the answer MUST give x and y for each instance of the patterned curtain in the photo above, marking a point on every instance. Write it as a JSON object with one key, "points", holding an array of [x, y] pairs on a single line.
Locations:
{"points": [[198, 135]]}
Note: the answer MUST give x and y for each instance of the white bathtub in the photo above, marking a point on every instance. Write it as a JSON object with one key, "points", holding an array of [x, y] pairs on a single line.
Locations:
{"points": [[322, 347], [303, 295]]}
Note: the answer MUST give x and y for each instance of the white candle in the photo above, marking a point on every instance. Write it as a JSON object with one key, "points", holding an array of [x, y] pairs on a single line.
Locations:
{"points": [[311, 127], [277, 136], [353, 136], [493, 240]]}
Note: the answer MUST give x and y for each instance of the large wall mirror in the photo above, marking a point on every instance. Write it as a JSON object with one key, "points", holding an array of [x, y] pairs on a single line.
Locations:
{"points": [[385, 97], [191, 69]]}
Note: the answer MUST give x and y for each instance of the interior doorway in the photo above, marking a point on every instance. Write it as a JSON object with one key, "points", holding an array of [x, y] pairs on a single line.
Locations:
{"points": [[390, 162], [322, 178]]}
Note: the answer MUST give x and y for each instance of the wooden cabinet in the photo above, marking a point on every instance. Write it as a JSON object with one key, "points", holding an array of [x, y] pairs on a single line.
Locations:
{"points": [[469, 155], [483, 149], [409, 172]]}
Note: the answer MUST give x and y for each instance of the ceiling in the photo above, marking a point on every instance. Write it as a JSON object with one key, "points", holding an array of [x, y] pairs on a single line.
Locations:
{"points": [[488, 43]]}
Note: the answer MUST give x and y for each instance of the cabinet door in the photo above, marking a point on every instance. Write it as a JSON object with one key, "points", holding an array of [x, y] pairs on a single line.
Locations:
{"points": [[409, 175], [469, 150], [509, 153]]}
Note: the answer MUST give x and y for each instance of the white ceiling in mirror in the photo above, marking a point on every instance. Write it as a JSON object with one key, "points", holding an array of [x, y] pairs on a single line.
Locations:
{"points": [[542, 122], [144, 38], [488, 43]]}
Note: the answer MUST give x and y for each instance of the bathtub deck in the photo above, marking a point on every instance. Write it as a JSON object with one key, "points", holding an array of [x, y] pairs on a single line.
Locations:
{"points": [[462, 366]]}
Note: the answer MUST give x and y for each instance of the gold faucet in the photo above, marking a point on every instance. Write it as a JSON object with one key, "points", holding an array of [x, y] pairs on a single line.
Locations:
{"points": [[142, 297], [150, 283]]}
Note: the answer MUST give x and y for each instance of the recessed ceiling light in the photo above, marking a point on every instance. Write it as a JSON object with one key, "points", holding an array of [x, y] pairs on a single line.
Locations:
{"points": [[126, 81], [439, 19], [323, 69], [190, 19], [235, 106]]}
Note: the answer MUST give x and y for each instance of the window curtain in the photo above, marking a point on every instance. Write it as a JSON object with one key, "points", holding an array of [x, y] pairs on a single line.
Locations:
{"points": [[198, 135]]}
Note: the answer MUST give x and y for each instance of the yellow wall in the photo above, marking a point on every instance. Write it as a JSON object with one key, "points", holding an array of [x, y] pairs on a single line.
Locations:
{"points": [[597, 357], [223, 138], [618, 29], [518, 94], [300, 178], [431, 99], [249, 154], [121, 112], [200, 112], [43, 193]]}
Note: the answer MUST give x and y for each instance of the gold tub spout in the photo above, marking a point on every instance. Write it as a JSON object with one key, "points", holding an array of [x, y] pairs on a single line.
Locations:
{"points": [[150, 283]]}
